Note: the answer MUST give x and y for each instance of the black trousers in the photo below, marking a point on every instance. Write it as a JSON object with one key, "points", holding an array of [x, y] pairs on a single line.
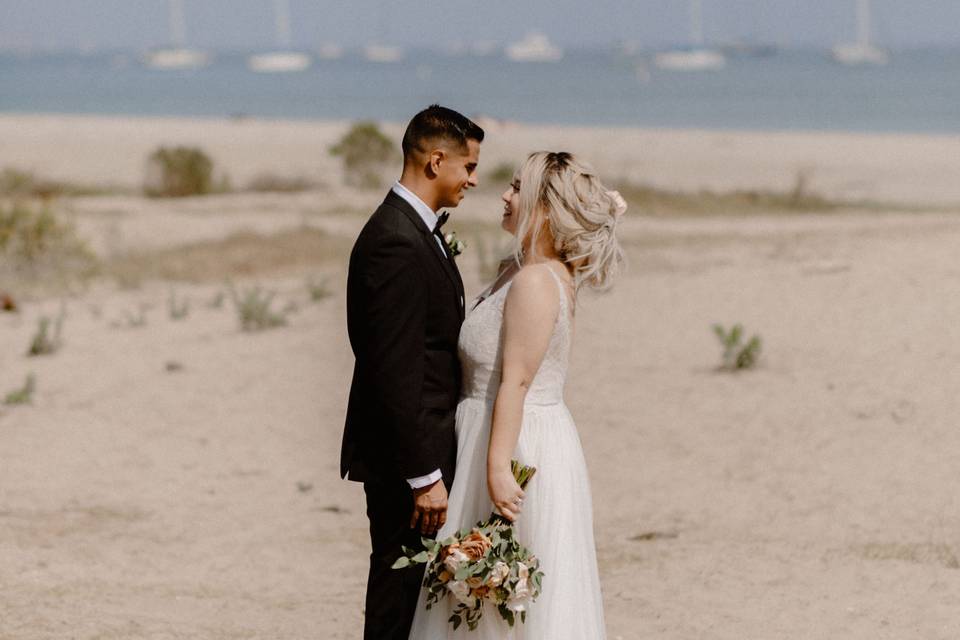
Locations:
{"points": [[392, 594]]}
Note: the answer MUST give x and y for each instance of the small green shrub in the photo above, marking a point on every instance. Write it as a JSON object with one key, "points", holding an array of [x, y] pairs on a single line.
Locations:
{"points": [[318, 289], [23, 395], [178, 172], [736, 354], [44, 341], [25, 233], [178, 308], [38, 251], [254, 310], [35, 243], [366, 153]]}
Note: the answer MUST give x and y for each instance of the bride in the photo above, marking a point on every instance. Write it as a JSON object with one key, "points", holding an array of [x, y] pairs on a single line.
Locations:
{"points": [[514, 347]]}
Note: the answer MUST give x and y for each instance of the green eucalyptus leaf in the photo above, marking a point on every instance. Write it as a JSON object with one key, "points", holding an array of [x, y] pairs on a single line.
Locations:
{"points": [[420, 557]]}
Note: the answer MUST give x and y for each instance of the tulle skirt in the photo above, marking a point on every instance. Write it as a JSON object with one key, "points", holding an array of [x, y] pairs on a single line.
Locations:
{"points": [[556, 525]]}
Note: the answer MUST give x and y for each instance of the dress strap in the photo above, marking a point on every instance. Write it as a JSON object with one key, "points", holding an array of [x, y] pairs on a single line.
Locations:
{"points": [[562, 286]]}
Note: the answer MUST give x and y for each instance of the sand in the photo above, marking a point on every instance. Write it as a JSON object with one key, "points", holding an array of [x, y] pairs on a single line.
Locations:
{"points": [[179, 479]]}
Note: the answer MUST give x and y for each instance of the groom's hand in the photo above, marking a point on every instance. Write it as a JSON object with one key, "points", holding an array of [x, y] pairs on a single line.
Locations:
{"points": [[429, 508]]}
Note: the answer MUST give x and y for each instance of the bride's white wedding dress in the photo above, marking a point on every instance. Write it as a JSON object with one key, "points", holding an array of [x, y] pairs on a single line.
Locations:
{"points": [[557, 521]]}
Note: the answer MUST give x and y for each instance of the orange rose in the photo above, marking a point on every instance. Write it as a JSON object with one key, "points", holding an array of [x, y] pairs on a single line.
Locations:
{"points": [[447, 550], [475, 545]]}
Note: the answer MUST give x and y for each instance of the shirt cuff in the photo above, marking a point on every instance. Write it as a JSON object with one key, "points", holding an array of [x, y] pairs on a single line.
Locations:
{"points": [[423, 481]]}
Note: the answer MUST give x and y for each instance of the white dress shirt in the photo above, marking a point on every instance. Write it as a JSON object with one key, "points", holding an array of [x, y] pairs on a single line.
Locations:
{"points": [[426, 213], [430, 219]]}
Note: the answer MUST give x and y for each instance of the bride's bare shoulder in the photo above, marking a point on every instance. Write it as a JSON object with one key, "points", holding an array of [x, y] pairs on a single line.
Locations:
{"points": [[534, 284]]}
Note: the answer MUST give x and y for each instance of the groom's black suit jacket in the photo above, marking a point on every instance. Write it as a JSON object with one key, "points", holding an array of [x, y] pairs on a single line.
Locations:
{"points": [[404, 311]]}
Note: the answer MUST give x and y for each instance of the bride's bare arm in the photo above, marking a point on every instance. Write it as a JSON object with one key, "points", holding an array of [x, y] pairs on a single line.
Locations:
{"points": [[529, 315]]}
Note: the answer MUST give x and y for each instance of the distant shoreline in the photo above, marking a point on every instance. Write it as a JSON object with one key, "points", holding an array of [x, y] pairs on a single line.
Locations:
{"points": [[239, 118]]}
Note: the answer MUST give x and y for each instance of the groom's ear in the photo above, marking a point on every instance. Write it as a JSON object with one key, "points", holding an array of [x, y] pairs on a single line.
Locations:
{"points": [[434, 160]]}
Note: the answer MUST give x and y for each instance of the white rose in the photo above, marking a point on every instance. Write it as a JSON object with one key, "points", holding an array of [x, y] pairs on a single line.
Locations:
{"points": [[461, 591], [522, 572], [522, 590], [454, 560], [498, 574], [520, 597]]}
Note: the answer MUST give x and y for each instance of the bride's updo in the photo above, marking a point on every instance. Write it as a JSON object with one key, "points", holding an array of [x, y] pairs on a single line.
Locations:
{"points": [[581, 213]]}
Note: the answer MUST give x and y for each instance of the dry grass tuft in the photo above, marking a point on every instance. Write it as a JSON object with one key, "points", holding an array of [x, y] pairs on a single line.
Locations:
{"points": [[244, 254], [920, 553], [23, 395], [273, 183], [255, 310], [18, 183], [37, 246], [666, 202]]}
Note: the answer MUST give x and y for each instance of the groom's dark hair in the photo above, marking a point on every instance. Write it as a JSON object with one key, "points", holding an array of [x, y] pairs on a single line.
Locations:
{"points": [[436, 122]]}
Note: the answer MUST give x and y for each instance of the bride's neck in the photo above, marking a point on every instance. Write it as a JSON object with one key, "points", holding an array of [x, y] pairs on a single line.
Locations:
{"points": [[543, 251]]}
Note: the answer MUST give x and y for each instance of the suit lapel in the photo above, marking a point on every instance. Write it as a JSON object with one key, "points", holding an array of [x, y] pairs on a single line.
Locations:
{"points": [[447, 264], [459, 282]]}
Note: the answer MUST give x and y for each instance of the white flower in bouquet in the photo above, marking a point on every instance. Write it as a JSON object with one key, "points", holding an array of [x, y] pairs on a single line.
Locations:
{"points": [[454, 560], [499, 573], [462, 592], [520, 596]]}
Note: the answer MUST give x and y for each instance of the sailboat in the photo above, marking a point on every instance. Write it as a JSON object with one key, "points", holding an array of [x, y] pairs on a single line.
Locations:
{"points": [[534, 47], [860, 52], [283, 60], [696, 57], [383, 53], [178, 56]]}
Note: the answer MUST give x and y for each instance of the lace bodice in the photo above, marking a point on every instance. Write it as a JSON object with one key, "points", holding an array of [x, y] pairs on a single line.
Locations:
{"points": [[481, 351]]}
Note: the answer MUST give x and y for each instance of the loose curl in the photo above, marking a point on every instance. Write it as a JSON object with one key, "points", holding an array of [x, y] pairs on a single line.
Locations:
{"points": [[582, 215]]}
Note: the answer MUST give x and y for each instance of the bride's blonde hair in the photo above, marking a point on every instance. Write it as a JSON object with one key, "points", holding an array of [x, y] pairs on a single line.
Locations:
{"points": [[582, 215]]}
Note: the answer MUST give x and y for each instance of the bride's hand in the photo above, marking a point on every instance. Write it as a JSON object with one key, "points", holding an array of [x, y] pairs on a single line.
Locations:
{"points": [[505, 493]]}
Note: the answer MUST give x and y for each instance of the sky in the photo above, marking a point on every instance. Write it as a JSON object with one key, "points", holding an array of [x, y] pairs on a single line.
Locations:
{"points": [[248, 24]]}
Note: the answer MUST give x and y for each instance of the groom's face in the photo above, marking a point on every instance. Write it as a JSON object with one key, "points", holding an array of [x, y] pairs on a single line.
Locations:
{"points": [[457, 172]]}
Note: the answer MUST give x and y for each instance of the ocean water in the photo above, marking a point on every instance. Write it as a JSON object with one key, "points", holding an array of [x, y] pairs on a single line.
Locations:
{"points": [[918, 91]]}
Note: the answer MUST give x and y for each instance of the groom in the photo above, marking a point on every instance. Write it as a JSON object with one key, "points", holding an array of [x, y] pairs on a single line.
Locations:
{"points": [[404, 310]]}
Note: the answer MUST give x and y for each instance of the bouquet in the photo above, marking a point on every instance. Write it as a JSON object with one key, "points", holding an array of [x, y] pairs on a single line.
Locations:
{"points": [[479, 565]]}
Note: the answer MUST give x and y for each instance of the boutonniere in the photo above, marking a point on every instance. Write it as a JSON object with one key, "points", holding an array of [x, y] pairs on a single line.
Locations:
{"points": [[456, 244]]}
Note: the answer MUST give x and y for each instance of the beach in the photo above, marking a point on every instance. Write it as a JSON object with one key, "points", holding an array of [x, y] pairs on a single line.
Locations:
{"points": [[177, 477]]}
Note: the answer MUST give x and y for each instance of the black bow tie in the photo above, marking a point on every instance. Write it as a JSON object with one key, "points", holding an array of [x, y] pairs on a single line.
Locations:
{"points": [[441, 220]]}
